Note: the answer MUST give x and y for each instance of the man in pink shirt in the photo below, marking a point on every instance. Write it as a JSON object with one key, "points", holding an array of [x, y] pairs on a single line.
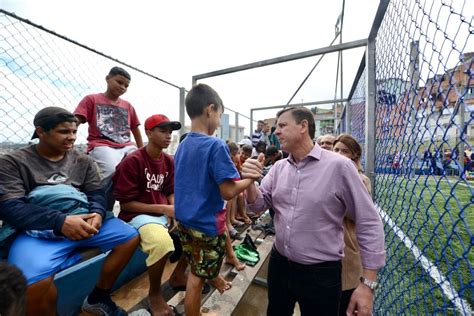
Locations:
{"points": [[311, 191]]}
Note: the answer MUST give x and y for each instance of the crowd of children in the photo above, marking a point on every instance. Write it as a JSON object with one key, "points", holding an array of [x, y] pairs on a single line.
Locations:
{"points": [[180, 203]]}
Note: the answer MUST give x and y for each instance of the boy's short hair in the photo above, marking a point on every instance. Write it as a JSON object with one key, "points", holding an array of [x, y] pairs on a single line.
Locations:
{"points": [[271, 151], [49, 117], [247, 148], [199, 97], [12, 290], [233, 148], [119, 71]]}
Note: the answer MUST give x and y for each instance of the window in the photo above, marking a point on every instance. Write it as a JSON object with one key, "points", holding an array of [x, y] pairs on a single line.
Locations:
{"points": [[469, 93]]}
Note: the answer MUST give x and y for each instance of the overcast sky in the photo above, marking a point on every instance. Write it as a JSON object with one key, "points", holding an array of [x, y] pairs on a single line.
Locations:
{"points": [[175, 40]]}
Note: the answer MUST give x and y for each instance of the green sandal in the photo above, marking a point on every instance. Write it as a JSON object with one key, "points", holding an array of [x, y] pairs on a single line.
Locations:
{"points": [[246, 255]]}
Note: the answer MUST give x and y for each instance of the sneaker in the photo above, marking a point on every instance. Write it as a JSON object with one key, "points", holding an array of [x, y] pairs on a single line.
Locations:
{"points": [[106, 308]]}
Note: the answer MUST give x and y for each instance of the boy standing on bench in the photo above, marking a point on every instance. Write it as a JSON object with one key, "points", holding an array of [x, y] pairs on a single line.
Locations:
{"points": [[205, 176], [144, 186], [50, 164]]}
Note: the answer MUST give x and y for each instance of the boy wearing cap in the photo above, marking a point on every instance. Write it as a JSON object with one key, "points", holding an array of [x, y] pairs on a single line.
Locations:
{"points": [[205, 176], [111, 119], [144, 186], [50, 163]]}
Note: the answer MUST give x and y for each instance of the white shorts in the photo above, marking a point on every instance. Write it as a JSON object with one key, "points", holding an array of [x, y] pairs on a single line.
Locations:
{"points": [[108, 157]]}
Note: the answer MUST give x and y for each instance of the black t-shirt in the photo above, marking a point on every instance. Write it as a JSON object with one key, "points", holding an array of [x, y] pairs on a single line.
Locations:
{"points": [[23, 170]]}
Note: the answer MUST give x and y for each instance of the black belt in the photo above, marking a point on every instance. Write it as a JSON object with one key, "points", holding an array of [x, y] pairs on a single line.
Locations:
{"points": [[300, 265]]}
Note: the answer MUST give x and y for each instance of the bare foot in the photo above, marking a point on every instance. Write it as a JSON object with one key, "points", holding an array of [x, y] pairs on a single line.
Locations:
{"points": [[235, 262], [220, 284], [247, 220], [236, 222], [207, 312], [159, 307]]}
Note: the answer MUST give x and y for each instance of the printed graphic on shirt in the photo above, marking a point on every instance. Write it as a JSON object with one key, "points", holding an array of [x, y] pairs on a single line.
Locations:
{"points": [[154, 181], [57, 178], [112, 123]]}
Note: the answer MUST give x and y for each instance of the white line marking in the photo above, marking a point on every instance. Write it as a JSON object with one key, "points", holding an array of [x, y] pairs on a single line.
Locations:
{"points": [[462, 305]]}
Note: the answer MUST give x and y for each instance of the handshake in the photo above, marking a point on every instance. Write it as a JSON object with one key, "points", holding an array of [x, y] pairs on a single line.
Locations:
{"points": [[252, 168]]}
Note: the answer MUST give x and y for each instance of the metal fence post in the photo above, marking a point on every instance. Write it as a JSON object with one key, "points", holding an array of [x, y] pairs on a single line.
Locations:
{"points": [[461, 140], [348, 118], [370, 112], [414, 78], [182, 93], [251, 123], [237, 130]]}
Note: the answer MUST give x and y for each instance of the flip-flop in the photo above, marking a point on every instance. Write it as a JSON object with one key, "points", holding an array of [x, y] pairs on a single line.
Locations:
{"points": [[246, 256], [234, 234], [175, 311], [238, 223]]}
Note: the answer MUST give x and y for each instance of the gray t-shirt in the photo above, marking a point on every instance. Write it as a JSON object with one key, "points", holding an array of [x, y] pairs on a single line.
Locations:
{"points": [[23, 170]]}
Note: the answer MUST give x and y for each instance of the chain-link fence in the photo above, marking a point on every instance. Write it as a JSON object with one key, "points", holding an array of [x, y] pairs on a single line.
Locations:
{"points": [[424, 133], [424, 162], [39, 68]]}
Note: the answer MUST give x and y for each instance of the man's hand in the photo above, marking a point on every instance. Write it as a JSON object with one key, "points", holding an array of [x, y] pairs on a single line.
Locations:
{"points": [[252, 168], [362, 301], [95, 221], [76, 227]]}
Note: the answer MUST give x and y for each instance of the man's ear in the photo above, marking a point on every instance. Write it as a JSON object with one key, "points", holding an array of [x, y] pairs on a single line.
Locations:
{"points": [[39, 131], [210, 108], [304, 125]]}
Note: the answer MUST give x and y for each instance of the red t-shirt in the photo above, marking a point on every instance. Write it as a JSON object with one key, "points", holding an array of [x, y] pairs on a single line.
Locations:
{"points": [[140, 178], [109, 124]]}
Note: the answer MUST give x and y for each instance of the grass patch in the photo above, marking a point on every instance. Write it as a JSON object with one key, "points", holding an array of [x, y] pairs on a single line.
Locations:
{"points": [[436, 213]]}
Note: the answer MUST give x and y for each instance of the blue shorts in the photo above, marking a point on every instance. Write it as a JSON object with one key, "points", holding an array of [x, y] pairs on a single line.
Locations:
{"points": [[40, 258]]}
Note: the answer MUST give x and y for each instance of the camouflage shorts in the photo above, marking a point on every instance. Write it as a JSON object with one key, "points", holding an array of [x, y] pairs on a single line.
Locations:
{"points": [[204, 253]]}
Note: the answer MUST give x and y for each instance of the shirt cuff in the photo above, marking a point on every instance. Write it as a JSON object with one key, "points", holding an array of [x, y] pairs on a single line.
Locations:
{"points": [[372, 260]]}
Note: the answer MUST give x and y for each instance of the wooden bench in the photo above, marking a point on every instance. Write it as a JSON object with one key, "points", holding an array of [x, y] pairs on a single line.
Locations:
{"points": [[224, 304], [132, 295]]}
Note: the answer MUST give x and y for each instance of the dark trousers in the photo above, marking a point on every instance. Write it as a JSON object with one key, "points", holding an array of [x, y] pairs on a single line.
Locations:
{"points": [[316, 288], [345, 300]]}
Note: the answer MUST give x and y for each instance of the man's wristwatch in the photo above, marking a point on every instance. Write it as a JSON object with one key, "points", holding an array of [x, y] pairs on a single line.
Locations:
{"points": [[373, 285]]}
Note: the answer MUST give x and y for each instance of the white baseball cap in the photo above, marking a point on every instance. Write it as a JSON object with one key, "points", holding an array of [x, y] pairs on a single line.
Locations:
{"points": [[245, 141]]}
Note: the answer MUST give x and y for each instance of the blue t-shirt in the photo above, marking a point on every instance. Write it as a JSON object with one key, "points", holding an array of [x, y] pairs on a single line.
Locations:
{"points": [[201, 164]]}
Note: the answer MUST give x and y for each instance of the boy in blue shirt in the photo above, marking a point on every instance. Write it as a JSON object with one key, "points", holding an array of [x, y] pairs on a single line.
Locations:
{"points": [[205, 176]]}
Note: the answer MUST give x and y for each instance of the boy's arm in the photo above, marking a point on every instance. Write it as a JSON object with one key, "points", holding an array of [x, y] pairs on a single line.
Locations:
{"points": [[231, 188], [252, 168], [139, 207], [24, 216], [83, 110], [170, 199], [80, 119], [138, 136]]}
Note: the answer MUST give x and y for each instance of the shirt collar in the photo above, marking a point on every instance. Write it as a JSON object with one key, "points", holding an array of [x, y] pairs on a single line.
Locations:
{"points": [[315, 153]]}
